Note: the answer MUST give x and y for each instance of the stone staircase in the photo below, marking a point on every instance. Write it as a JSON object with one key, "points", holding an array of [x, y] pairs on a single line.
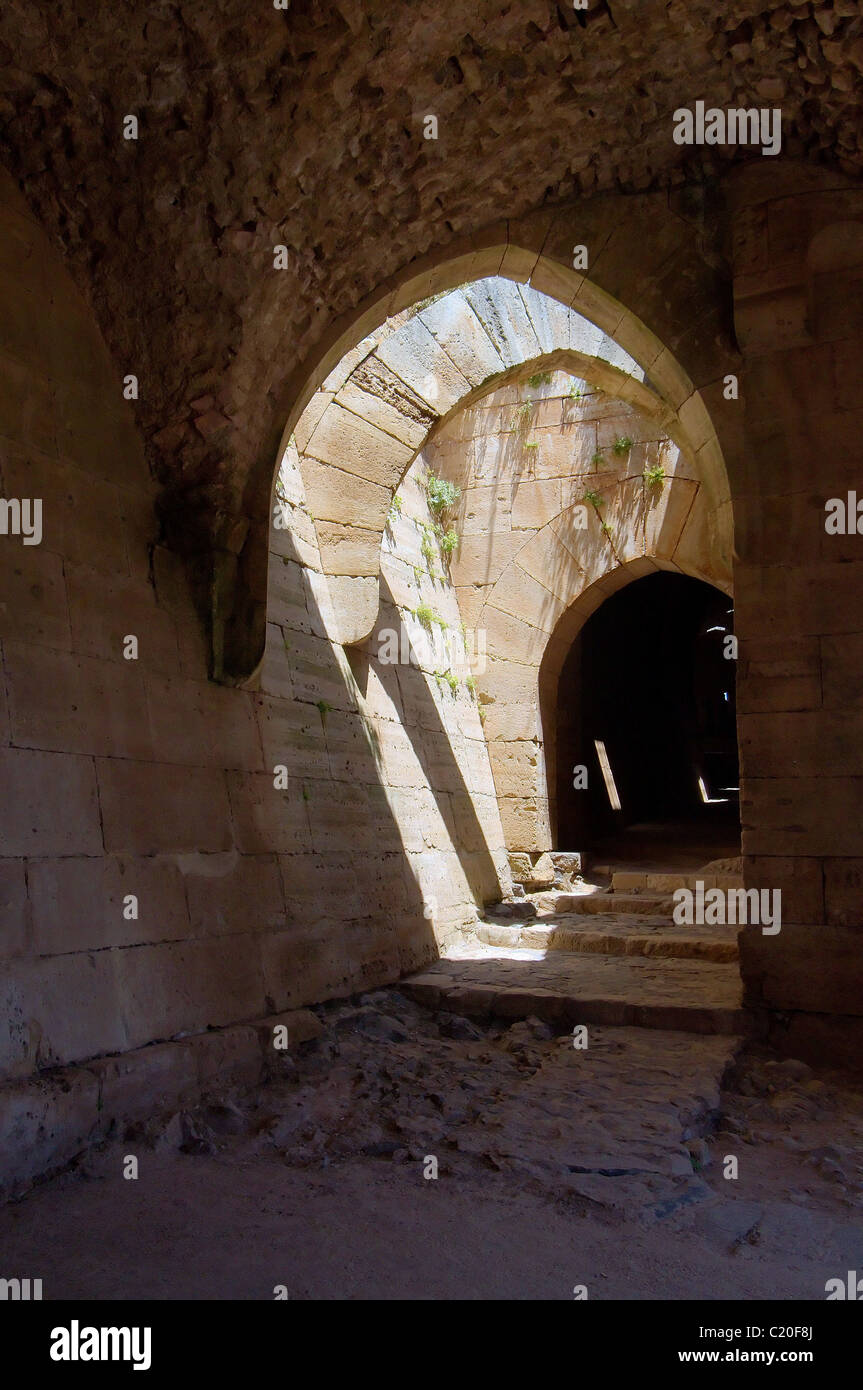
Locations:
{"points": [[607, 953]]}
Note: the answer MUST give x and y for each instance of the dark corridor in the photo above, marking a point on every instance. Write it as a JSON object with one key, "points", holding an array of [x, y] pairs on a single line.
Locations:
{"points": [[646, 704]]}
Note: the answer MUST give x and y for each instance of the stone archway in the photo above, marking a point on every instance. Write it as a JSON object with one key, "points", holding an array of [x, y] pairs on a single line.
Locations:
{"points": [[635, 685], [665, 279]]}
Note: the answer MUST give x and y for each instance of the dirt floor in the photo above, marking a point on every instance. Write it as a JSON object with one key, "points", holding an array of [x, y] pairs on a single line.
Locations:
{"points": [[557, 1167]]}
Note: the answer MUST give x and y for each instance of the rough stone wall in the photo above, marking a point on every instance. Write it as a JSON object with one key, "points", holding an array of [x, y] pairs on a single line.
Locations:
{"points": [[401, 739], [799, 318], [142, 777], [253, 118], [534, 560]]}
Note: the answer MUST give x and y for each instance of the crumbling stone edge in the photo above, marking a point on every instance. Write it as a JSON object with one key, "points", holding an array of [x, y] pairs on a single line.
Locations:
{"points": [[48, 1120]]}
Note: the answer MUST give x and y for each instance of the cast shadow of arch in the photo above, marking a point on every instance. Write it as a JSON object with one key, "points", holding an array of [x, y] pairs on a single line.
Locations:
{"points": [[406, 686], [355, 847]]}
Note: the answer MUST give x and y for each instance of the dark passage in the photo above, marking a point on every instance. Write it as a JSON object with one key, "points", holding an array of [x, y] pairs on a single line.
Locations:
{"points": [[648, 682]]}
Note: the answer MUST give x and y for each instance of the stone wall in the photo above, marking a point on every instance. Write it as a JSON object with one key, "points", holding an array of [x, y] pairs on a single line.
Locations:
{"points": [[534, 558], [305, 127], [141, 779], [799, 318], [401, 735]]}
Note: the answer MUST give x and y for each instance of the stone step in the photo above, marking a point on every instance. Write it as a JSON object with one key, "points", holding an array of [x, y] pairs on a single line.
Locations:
{"points": [[567, 988], [603, 902], [634, 935], [626, 881]]}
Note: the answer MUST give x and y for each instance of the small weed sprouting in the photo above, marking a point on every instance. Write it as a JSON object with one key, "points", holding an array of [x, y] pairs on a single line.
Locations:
{"points": [[447, 677], [539, 379], [621, 445], [449, 541], [428, 618], [471, 685], [597, 458], [594, 498], [441, 494], [654, 476], [324, 708], [427, 549]]}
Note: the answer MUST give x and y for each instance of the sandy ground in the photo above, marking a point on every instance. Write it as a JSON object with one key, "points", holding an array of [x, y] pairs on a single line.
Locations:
{"points": [[555, 1169]]}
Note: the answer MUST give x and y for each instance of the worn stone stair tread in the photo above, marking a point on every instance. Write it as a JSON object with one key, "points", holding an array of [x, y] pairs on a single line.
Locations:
{"points": [[581, 903], [629, 882], [610, 1121], [566, 988], [617, 934]]}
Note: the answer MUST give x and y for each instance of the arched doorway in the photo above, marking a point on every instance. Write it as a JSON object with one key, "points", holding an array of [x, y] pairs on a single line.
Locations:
{"points": [[646, 764]]}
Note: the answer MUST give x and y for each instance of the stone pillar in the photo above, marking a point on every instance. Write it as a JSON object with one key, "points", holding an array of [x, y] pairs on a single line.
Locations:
{"points": [[798, 304]]}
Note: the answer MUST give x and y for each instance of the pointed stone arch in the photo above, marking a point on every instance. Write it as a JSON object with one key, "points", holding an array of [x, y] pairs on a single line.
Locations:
{"points": [[647, 265]]}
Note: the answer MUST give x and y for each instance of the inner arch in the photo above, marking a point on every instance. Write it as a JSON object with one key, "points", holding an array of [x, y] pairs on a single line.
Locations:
{"points": [[362, 428]]}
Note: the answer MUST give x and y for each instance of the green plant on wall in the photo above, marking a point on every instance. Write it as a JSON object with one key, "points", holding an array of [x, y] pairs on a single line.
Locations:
{"points": [[441, 494], [523, 417], [539, 379], [447, 678], [471, 685], [621, 445], [324, 708], [593, 498], [428, 618], [425, 615], [427, 548], [449, 541], [654, 477], [597, 458]]}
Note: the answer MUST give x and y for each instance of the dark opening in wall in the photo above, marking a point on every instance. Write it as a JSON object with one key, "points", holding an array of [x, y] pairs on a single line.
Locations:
{"points": [[646, 704]]}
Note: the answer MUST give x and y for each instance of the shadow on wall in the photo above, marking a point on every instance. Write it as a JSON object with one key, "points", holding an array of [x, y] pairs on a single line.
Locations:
{"points": [[346, 870], [432, 745], [383, 852]]}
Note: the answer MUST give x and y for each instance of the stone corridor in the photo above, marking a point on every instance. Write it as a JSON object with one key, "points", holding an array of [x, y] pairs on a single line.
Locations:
{"points": [[431, 652]]}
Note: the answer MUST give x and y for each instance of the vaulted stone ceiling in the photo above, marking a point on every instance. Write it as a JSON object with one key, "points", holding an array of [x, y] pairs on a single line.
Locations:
{"points": [[260, 126]]}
